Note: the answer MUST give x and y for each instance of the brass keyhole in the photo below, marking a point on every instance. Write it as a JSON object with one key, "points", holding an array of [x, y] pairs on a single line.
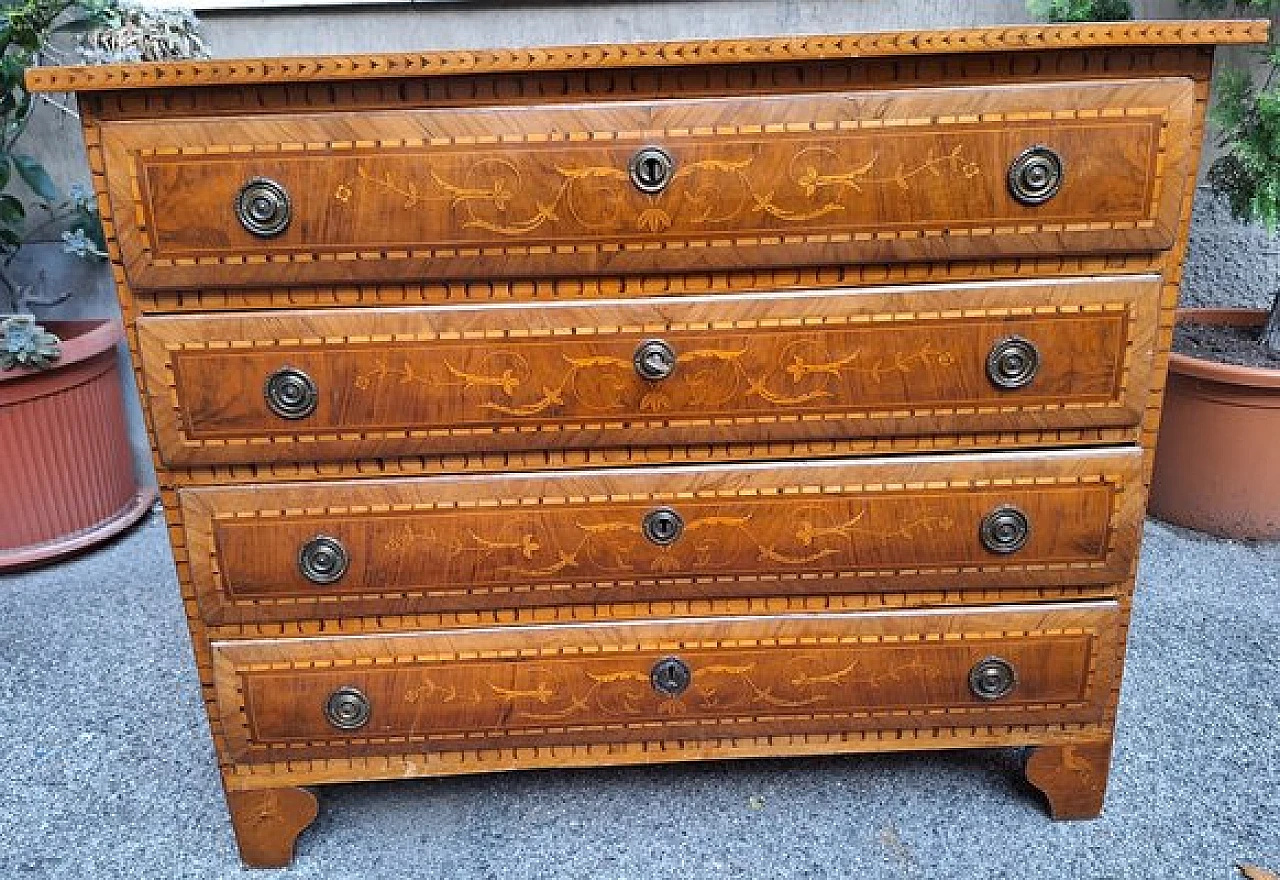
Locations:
{"points": [[671, 676], [651, 169]]}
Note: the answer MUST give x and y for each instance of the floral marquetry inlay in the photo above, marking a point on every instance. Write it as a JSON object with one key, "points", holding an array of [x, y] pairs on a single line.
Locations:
{"points": [[503, 196], [759, 372], [615, 547]]}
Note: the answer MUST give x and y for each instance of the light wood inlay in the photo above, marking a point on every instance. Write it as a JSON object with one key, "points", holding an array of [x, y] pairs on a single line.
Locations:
{"points": [[907, 233], [898, 361], [779, 180], [750, 676], [468, 544]]}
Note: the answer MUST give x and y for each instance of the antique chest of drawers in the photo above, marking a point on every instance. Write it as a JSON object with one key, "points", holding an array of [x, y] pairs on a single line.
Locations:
{"points": [[621, 404]]}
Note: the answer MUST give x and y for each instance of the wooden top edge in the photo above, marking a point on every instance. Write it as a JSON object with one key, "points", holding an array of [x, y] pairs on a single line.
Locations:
{"points": [[246, 71]]}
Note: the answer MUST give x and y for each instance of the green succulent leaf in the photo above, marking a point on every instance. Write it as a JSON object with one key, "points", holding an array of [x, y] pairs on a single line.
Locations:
{"points": [[11, 211], [34, 176]]}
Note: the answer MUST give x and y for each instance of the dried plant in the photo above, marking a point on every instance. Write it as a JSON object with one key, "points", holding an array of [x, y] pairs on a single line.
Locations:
{"points": [[143, 33]]}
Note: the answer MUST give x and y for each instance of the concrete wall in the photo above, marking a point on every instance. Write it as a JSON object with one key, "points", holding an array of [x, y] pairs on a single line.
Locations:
{"points": [[1228, 263]]}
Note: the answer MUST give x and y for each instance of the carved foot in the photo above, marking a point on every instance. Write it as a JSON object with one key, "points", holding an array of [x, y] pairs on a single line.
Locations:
{"points": [[1072, 777], [268, 822]]}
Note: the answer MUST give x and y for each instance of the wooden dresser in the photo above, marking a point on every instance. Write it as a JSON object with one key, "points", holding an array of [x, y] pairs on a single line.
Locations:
{"points": [[640, 403]]}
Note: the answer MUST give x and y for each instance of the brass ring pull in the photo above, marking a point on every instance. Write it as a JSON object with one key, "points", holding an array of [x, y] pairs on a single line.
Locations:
{"points": [[993, 679], [1036, 176], [651, 169], [348, 709], [1005, 530], [323, 560], [291, 393], [263, 207], [654, 360], [1013, 363], [671, 676]]}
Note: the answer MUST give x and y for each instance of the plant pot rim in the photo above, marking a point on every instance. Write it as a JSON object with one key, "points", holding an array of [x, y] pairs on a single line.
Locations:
{"points": [[1212, 371], [81, 340]]}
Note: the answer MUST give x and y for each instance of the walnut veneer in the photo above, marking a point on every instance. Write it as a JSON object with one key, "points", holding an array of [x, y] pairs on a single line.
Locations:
{"points": [[625, 404]]}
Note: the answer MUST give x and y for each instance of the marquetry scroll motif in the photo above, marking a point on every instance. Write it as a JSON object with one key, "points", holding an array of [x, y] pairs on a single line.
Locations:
{"points": [[821, 366], [430, 545], [797, 179], [818, 181], [818, 672], [725, 373]]}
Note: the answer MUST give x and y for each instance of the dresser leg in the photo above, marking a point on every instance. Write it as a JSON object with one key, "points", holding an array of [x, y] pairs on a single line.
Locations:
{"points": [[1073, 777], [268, 821]]}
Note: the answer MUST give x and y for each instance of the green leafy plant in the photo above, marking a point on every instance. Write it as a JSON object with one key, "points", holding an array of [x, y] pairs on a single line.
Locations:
{"points": [[1246, 115], [26, 30], [100, 32], [1081, 10]]}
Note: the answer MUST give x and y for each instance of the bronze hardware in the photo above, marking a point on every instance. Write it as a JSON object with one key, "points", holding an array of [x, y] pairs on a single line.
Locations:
{"points": [[263, 208], [347, 709], [670, 676], [1005, 530], [291, 393], [1012, 363], [655, 360], [1036, 175], [992, 679], [651, 169], [323, 560], [662, 526]]}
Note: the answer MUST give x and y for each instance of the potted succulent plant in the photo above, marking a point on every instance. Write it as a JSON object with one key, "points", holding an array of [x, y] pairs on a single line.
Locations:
{"points": [[66, 465], [1217, 465]]}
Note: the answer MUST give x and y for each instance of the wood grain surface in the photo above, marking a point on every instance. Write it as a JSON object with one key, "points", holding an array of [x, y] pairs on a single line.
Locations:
{"points": [[783, 180], [546, 685], [687, 53], [816, 528], [300, 651], [828, 366]]}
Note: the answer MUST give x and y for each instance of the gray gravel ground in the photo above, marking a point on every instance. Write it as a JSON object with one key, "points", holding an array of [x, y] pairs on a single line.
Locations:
{"points": [[108, 770]]}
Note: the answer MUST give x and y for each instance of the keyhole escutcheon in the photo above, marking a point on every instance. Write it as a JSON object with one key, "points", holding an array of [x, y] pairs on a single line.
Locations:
{"points": [[651, 169]]}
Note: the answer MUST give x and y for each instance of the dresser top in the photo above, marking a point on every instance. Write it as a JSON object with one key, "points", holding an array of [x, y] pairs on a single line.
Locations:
{"points": [[217, 71]]}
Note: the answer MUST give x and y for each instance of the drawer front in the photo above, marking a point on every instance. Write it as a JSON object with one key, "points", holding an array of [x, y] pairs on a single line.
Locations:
{"points": [[823, 178], [385, 547], [665, 681], [816, 366]]}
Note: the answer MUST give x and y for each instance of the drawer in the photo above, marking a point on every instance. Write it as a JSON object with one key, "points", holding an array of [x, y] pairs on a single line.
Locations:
{"points": [[826, 178], [689, 680], [897, 362], [437, 544]]}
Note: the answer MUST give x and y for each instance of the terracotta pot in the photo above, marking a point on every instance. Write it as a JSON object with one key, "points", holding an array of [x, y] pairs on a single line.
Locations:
{"points": [[1217, 465], [66, 468]]}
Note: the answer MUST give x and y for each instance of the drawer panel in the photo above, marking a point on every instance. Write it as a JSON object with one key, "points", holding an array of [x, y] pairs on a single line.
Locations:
{"points": [[808, 366], [548, 685], [385, 547], [825, 178]]}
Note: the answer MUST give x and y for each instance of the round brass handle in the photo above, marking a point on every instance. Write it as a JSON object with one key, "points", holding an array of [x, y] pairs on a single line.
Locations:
{"points": [[263, 208], [662, 526], [1013, 363], [651, 169], [1005, 530], [670, 676], [348, 709], [654, 360], [993, 679], [323, 560], [291, 393], [1036, 175]]}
